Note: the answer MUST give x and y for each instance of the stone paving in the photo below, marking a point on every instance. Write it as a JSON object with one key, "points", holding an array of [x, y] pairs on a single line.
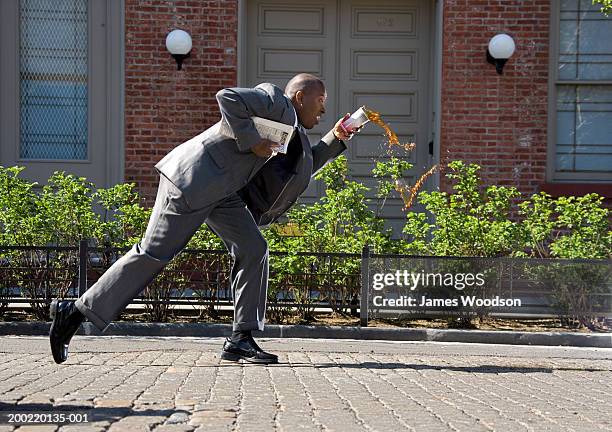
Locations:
{"points": [[180, 384]]}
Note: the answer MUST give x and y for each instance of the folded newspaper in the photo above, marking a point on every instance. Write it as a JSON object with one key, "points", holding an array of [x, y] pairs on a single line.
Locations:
{"points": [[274, 131]]}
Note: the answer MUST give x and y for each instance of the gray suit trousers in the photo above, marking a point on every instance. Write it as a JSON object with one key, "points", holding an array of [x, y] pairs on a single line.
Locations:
{"points": [[171, 226]]}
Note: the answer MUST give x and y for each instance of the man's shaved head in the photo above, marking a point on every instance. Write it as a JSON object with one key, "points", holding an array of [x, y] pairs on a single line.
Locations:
{"points": [[304, 82], [307, 94]]}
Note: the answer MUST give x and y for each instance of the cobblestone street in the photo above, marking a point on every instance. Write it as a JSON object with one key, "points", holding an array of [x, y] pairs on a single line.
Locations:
{"points": [[180, 384]]}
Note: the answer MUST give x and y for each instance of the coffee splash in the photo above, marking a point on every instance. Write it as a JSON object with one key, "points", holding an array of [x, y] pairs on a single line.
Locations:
{"points": [[408, 193], [392, 138]]}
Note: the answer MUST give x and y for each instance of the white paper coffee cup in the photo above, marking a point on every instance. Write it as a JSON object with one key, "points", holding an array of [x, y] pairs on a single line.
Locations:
{"points": [[356, 120]]}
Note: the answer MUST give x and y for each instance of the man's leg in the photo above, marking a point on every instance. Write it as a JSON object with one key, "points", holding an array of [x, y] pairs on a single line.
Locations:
{"points": [[234, 224], [171, 226]]}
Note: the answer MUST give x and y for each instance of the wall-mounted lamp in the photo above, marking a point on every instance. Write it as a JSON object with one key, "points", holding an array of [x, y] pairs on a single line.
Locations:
{"points": [[501, 47], [178, 42]]}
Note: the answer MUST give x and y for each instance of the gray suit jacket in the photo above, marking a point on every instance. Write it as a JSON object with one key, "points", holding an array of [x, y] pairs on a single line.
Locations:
{"points": [[219, 161]]}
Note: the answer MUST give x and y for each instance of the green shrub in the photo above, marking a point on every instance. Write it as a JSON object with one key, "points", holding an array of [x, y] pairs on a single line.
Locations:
{"points": [[21, 219], [606, 6], [340, 221], [472, 221], [566, 227], [569, 227], [477, 220]]}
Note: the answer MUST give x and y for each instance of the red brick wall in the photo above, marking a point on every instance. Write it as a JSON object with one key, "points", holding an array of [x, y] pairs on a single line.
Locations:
{"points": [[497, 121], [163, 106]]}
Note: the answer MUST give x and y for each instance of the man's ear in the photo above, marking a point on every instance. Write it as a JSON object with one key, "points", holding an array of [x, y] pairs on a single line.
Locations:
{"points": [[299, 97]]}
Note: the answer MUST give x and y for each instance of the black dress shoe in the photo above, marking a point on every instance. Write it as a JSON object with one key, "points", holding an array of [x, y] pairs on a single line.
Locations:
{"points": [[246, 349], [66, 321]]}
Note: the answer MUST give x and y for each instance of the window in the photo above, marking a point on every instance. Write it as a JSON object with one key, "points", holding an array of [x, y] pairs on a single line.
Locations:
{"points": [[53, 79], [581, 117], [61, 88]]}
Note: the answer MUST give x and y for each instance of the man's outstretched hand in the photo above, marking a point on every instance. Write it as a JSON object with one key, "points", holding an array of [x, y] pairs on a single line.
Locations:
{"points": [[266, 148], [339, 131]]}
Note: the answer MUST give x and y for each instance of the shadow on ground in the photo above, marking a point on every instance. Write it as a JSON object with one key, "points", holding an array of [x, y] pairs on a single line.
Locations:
{"points": [[490, 369]]}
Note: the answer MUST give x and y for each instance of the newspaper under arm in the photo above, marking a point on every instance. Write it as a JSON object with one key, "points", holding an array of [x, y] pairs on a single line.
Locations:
{"points": [[280, 133]]}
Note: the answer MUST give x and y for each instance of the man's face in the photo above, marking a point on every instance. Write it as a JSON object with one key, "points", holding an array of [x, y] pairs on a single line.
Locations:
{"points": [[310, 106]]}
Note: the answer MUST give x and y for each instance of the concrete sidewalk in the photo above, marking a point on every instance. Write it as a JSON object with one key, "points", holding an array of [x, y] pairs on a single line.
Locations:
{"points": [[180, 384], [121, 328]]}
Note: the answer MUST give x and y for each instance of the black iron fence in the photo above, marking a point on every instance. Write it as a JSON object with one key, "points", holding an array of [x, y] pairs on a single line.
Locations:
{"points": [[576, 290], [299, 282], [367, 285]]}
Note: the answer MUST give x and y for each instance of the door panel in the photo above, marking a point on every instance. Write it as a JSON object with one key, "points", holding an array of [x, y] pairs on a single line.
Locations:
{"points": [[385, 63]]}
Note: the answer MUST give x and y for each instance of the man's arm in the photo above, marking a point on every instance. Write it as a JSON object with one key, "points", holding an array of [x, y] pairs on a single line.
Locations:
{"points": [[331, 146], [238, 105], [327, 149]]}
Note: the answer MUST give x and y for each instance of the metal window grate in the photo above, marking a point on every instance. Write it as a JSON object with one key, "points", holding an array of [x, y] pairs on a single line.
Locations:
{"points": [[53, 79]]}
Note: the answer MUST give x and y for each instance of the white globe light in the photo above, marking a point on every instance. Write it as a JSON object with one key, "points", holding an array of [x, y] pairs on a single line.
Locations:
{"points": [[501, 46], [178, 42]]}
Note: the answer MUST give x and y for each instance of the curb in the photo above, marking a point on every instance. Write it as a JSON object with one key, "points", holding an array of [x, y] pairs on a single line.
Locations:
{"points": [[592, 340]]}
